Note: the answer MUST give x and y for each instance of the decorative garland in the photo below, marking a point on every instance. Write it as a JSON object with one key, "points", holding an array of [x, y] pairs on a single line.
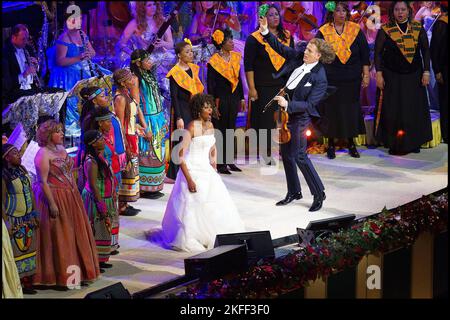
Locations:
{"points": [[384, 232]]}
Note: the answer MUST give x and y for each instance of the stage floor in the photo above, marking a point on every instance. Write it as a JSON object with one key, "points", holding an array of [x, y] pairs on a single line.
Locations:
{"points": [[359, 186]]}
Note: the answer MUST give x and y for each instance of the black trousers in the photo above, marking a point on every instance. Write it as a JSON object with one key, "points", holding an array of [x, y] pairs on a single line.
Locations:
{"points": [[294, 155], [228, 108]]}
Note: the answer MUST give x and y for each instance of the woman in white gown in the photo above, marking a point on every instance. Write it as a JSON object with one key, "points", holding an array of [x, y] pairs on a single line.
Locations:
{"points": [[199, 206]]}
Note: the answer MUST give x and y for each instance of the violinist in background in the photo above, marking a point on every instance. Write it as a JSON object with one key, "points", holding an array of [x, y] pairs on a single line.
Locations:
{"points": [[439, 59], [203, 21], [306, 86], [299, 20]]}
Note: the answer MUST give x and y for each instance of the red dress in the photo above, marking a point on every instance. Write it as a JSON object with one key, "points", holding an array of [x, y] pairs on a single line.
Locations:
{"points": [[64, 244]]}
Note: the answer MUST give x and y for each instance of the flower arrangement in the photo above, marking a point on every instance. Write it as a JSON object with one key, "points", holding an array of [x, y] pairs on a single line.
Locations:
{"points": [[383, 232]]}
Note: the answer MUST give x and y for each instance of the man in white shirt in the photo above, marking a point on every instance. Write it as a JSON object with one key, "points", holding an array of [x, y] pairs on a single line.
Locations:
{"points": [[306, 87], [18, 66]]}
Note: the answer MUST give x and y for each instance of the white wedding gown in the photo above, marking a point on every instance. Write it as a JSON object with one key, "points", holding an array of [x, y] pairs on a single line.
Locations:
{"points": [[192, 220]]}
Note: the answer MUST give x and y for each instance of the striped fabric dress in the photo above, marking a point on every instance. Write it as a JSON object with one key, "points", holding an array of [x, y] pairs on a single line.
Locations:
{"points": [[101, 226], [152, 162], [19, 212]]}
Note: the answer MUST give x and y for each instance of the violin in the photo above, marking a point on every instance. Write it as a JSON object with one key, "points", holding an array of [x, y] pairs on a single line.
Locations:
{"points": [[281, 118], [296, 15]]}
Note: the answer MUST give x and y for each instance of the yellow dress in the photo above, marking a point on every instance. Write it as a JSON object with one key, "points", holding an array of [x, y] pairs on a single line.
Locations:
{"points": [[11, 287]]}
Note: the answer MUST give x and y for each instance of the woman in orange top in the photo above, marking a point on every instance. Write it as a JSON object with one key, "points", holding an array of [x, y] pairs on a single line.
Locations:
{"points": [[225, 85], [341, 113], [184, 83]]}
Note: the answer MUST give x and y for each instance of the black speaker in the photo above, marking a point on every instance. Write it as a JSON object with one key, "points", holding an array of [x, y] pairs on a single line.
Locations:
{"points": [[115, 291], [259, 244], [331, 224], [216, 262]]}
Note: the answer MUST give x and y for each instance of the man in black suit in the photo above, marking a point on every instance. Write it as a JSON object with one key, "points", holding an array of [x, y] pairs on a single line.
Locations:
{"points": [[18, 67], [306, 87]]}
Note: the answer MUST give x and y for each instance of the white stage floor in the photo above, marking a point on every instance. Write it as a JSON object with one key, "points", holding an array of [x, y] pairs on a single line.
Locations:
{"points": [[359, 186]]}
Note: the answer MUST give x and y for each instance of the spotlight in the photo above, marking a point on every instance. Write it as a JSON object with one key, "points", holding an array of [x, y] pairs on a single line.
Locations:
{"points": [[308, 133]]}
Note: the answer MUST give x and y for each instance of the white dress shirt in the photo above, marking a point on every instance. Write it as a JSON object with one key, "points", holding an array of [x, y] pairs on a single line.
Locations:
{"points": [[298, 74], [25, 82]]}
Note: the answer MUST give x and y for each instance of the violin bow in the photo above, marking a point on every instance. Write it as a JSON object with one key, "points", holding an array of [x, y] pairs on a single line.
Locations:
{"points": [[365, 11], [282, 90]]}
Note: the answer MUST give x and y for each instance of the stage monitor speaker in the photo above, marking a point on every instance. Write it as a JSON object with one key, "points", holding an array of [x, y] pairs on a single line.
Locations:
{"points": [[331, 224], [259, 244], [115, 291], [217, 262], [322, 228]]}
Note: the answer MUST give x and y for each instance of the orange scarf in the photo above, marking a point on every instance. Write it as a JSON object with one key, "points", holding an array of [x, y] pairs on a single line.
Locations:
{"points": [[275, 58], [193, 85], [407, 43], [444, 18], [228, 70], [341, 43]]}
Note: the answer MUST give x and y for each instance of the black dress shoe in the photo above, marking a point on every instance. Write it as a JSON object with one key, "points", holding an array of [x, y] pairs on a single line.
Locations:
{"points": [[133, 208], [289, 198], [102, 270], [113, 253], [128, 212], [416, 150], [223, 170], [234, 168], [29, 291], [331, 153], [105, 265], [353, 152], [151, 195], [317, 203]]}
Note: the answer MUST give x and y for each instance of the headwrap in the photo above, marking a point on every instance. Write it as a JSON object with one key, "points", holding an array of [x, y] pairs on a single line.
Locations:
{"points": [[143, 56], [95, 93], [122, 75], [91, 137], [103, 117], [7, 148]]}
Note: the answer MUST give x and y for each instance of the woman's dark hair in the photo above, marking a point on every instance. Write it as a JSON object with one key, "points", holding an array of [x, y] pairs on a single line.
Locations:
{"points": [[391, 11], [180, 46], [227, 35], [88, 105], [100, 112], [329, 18], [198, 101], [90, 150], [280, 28], [137, 54]]}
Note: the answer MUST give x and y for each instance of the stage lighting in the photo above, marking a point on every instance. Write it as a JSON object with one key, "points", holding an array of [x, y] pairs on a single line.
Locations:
{"points": [[400, 133], [308, 133]]}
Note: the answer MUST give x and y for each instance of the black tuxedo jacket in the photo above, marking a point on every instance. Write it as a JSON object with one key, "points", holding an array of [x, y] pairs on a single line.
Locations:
{"points": [[10, 78], [312, 89]]}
